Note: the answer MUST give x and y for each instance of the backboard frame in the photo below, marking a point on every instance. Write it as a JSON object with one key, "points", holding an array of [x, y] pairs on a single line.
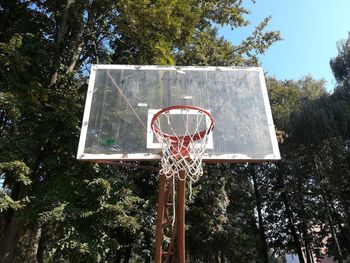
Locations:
{"points": [[223, 158]]}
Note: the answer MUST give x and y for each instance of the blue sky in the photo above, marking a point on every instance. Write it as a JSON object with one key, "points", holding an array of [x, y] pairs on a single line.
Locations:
{"points": [[310, 29]]}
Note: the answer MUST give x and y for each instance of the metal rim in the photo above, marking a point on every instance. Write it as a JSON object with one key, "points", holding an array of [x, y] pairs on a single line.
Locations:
{"points": [[186, 138]]}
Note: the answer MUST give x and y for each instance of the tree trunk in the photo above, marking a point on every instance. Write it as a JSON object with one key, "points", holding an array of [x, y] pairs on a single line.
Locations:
{"points": [[264, 250], [334, 235], [117, 257], [339, 221], [308, 255], [12, 228], [8, 245], [217, 259], [289, 215], [60, 38], [127, 254], [75, 58], [3, 122], [41, 249], [345, 205], [222, 257], [293, 230], [304, 229], [32, 251]]}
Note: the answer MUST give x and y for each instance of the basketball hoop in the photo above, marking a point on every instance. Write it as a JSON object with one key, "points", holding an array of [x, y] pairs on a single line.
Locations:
{"points": [[183, 133], [183, 141]]}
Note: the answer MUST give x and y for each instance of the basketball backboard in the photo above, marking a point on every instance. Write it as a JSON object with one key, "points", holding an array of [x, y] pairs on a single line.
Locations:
{"points": [[122, 100]]}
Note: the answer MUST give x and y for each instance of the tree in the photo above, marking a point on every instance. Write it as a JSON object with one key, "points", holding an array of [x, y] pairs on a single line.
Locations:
{"points": [[316, 130], [55, 208], [291, 196], [340, 66]]}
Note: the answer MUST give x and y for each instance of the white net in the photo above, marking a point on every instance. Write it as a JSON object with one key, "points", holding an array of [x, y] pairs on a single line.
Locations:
{"points": [[183, 133]]}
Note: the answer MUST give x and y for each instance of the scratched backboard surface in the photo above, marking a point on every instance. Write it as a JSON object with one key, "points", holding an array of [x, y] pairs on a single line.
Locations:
{"points": [[122, 99]]}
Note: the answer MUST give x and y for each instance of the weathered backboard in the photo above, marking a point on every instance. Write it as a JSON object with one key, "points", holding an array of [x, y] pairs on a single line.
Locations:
{"points": [[121, 101]]}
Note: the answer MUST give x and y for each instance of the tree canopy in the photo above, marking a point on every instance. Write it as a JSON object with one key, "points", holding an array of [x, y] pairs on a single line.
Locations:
{"points": [[56, 209]]}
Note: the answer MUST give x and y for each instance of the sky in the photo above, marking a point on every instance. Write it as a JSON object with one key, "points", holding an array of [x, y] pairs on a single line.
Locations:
{"points": [[310, 30]]}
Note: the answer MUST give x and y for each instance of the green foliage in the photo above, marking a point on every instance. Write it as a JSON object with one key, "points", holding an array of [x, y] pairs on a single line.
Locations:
{"points": [[340, 66], [56, 214], [221, 221], [79, 212], [13, 173], [11, 59], [205, 49], [289, 96], [6, 202], [99, 213], [165, 25], [304, 199], [247, 53]]}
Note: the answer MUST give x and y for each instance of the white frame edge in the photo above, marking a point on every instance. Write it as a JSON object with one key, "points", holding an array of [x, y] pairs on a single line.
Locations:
{"points": [[176, 68], [229, 158], [85, 123], [274, 143]]}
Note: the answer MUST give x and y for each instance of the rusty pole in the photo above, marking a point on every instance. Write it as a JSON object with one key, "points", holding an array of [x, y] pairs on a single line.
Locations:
{"points": [[180, 213], [160, 217], [164, 227]]}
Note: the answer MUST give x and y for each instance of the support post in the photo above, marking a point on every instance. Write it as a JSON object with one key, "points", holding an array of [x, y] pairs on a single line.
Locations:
{"points": [[175, 250], [160, 218], [180, 213]]}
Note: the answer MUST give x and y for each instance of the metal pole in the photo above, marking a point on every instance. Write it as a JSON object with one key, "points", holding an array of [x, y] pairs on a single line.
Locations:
{"points": [[160, 217], [181, 187]]}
